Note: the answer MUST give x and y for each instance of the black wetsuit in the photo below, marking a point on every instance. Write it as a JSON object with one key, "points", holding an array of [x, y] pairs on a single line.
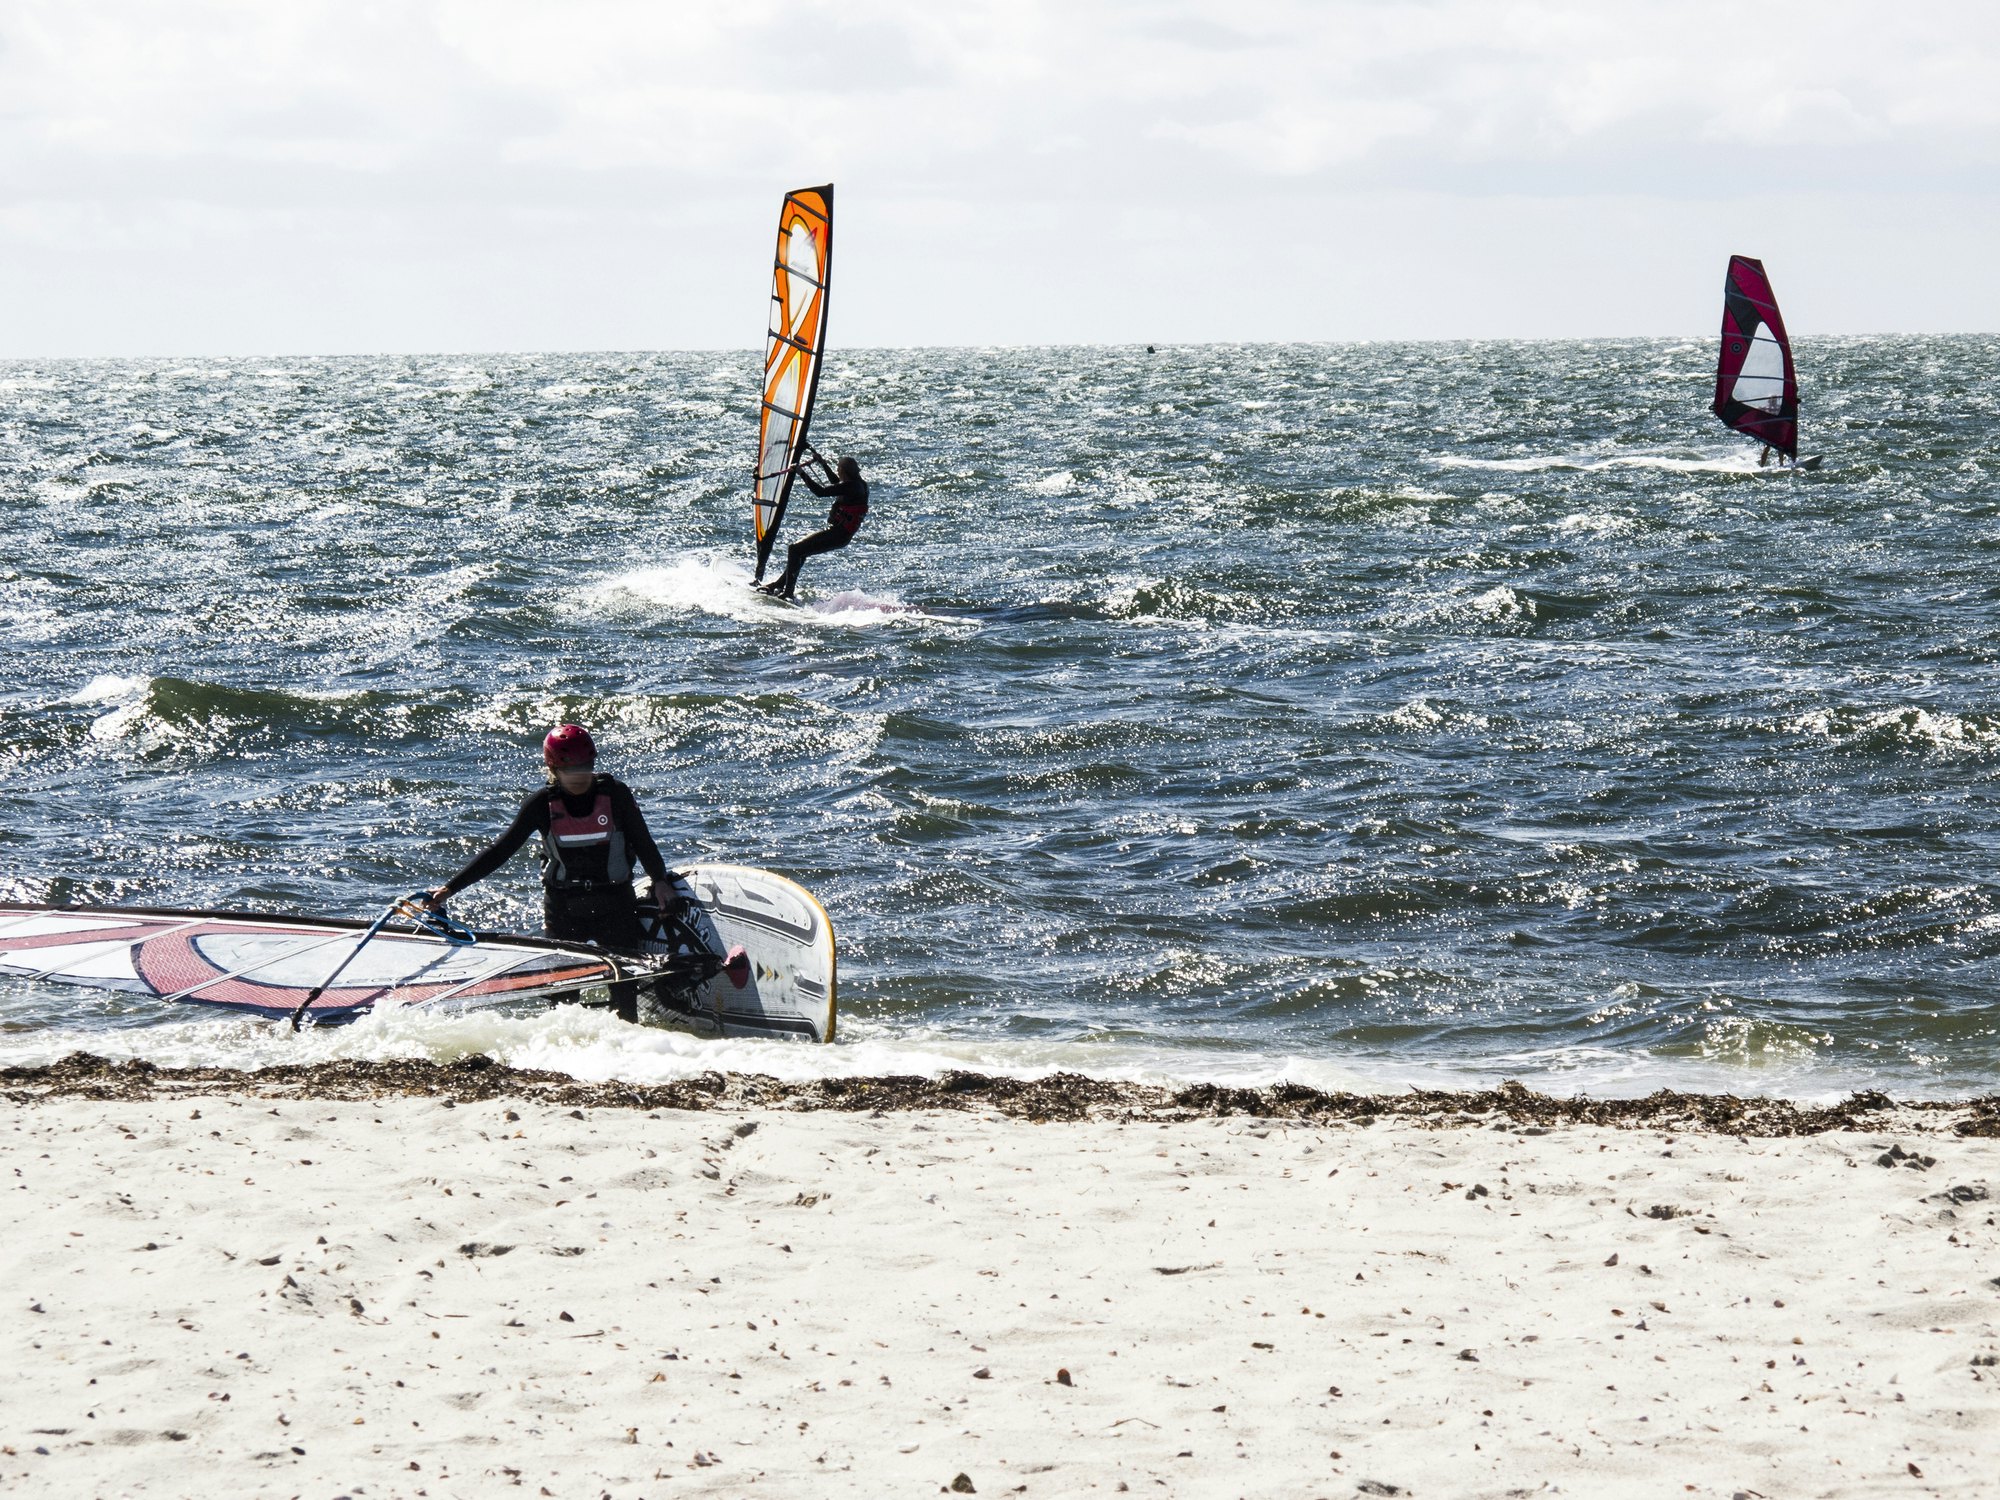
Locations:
{"points": [[850, 509], [589, 846]]}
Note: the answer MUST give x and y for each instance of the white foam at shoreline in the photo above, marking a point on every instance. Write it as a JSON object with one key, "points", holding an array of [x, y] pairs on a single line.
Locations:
{"points": [[593, 1047]]}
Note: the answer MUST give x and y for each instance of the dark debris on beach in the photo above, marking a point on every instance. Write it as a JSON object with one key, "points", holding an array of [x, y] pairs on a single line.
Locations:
{"points": [[1060, 1096]]}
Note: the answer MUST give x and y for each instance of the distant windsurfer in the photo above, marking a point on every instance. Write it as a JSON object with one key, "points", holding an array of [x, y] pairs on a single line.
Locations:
{"points": [[848, 491], [592, 834]]}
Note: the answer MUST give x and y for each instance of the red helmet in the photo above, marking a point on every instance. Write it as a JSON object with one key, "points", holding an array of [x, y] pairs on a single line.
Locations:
{"points": [[569, 747]]}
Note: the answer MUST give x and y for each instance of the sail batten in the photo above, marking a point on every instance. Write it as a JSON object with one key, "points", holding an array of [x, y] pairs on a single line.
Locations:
{"points": [[1756, 384], [795, 342]]}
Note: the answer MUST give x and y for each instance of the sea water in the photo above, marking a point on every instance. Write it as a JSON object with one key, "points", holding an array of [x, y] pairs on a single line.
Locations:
{"points": [[1361, 715]]}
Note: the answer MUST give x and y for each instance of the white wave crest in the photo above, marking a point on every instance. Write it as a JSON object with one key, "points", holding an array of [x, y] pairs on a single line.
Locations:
{"points": [[109, 687], [1537, 463], [1597, 523], [1501, 603], [1420, 715], [1912, 725], [700, 583], [714, 584], [854, 607]]}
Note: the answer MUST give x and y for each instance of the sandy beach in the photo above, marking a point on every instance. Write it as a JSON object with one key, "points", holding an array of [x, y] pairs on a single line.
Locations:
{"points": [[245, 1289]]}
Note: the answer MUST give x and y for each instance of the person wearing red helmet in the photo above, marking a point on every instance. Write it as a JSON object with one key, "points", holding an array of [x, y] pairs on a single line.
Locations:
{"points": [[592, 835]]}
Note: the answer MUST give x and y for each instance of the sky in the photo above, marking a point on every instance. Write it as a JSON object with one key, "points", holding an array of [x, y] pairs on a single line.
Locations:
{"points": [[182, 177]]}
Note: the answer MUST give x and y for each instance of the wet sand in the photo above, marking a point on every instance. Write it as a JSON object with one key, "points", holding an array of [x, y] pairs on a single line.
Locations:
{"points": [[403, 1279]]}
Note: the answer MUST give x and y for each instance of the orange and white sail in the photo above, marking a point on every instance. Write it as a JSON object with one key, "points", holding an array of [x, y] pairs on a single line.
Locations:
{"points": [[796, 338]]}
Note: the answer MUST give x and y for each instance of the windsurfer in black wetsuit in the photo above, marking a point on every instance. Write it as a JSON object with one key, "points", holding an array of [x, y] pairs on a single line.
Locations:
{"points": [[592, 835], [849, 493]]}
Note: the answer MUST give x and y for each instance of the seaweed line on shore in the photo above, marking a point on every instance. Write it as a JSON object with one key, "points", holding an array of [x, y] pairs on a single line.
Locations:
{"points": [[1056, 1097]]}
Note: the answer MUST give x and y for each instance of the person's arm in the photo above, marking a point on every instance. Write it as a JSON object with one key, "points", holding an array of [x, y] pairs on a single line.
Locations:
{"points": [[824, 491], [529, 821], [638, 838]]}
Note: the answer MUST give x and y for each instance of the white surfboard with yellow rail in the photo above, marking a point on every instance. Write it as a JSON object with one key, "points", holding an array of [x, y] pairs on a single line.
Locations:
{"points": [[781, 978]]}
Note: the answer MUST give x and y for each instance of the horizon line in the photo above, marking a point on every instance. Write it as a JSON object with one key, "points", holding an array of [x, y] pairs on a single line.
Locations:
{"points": [[1159, 344]]}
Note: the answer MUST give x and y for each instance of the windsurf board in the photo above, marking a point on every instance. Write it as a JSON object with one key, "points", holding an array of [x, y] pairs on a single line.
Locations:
{"points": [[779, 974]]}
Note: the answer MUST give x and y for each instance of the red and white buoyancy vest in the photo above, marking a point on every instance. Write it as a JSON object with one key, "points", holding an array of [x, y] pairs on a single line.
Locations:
{"points": [[580, 852], [848, 513]]}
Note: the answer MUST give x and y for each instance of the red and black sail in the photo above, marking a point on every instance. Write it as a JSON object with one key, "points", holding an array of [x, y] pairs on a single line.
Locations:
{"points": [[1756, 388]]}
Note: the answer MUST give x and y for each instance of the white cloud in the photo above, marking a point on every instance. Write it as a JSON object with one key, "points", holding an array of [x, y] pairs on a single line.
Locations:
{"points": [[500, 172]]}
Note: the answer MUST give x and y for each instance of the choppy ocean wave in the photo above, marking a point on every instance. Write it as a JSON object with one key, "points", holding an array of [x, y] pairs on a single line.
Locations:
{"points": [[1355, 714]]}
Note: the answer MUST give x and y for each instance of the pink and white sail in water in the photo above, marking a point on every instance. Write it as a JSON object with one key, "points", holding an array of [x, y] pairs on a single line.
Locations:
{"points": [[1756, 388], [270, 966]]}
